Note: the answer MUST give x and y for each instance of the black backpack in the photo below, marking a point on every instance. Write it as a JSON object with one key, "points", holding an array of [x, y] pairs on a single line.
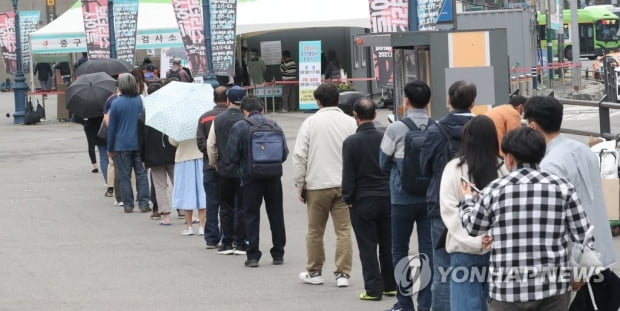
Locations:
{"points": [[265, 150], [189, 73], [413, 181]]}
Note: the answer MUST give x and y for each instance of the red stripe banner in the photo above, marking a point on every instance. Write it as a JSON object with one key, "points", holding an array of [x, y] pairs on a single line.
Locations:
{"points": [[8, 45]]}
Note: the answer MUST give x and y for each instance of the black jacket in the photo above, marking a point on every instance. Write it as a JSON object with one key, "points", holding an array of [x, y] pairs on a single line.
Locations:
{"points": [[44, 70], [202, 132], [91, 128], [155, 149], [362, 175], [433, 155], [223, 123]]}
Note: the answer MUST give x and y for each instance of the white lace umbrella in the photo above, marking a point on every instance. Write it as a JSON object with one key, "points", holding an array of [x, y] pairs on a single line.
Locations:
{"points": [[175, 108]]}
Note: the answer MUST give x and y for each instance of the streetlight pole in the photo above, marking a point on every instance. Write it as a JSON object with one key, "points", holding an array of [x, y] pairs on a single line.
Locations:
{"points": [[111, 29], [206, 20], [20, 87]]}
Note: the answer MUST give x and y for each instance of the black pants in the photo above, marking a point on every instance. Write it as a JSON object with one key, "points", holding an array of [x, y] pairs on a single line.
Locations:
{"points": [[370, 218], [253, 195], [231, 212], [153, 196], [606, 293]]}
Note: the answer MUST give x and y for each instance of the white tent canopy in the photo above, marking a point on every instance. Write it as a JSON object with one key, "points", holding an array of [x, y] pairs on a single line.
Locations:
{"points": [[157, 26]]}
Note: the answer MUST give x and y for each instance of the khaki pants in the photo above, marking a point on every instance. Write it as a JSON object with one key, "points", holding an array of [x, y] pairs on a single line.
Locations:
{"points": [[160, 175], [320, 204]]}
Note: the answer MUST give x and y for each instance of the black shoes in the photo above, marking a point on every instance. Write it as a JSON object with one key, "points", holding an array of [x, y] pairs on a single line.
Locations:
{"points": [[278, 261], [110, 192], [251, 263]]}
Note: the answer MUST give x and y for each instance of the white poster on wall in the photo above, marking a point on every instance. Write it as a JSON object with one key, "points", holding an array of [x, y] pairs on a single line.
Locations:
{"points": [[271, 52], [309, 73]]}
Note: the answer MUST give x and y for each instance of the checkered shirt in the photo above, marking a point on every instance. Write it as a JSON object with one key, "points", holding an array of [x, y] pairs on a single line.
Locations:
{"points": [[531, 216]]}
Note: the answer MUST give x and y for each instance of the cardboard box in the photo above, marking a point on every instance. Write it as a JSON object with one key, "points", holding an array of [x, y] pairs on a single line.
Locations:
{"points": [[611, 192]]}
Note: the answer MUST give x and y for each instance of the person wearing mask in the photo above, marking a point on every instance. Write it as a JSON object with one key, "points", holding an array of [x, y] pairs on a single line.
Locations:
{"points": [[574, 161], [442, 141], [122, 139], [530, 216], [478, 149], [213, 234], [254, 188], [408, 208], [257, 68], [231, 200], [365, 189], [317, 170], [288, 70]]}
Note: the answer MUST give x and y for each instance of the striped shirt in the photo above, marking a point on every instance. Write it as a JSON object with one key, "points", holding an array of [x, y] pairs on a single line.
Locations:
{"points": [[289, 70], [531, 216]]}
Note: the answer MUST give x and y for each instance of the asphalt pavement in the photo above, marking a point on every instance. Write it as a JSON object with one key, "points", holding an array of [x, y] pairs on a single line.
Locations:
{"points": [[64, 246]]}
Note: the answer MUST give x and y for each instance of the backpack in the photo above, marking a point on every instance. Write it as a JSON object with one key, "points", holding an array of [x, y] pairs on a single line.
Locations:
{"points": [[265, 150], [413, 181], [189, 73]]}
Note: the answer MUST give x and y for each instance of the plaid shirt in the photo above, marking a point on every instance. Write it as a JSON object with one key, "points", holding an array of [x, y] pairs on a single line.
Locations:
{"points": [[531, 216]]}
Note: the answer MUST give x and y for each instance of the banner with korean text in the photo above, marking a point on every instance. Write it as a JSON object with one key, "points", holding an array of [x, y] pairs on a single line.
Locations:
{"points": [[8, 44], [309, 73], [386, 16], [223, 22], [28, 21], [125, 29], [96, 28], [189, 18]]}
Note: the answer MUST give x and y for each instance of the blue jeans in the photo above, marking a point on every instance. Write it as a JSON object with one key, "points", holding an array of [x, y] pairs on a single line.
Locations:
{"points": [[471, 293], [126, 161], [103, 161], [403, 218], [212, 227], [441, 259]]}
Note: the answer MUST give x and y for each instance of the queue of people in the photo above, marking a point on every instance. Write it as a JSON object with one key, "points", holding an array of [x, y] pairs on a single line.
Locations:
{"points": [[484, 193]]}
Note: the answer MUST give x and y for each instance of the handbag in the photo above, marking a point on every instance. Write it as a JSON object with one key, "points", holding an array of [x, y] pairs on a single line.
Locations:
{"points": [[103, 131]]}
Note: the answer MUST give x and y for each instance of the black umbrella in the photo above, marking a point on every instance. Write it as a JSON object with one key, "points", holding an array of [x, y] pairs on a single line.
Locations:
{"points": [[87, 95], [110, 66]]}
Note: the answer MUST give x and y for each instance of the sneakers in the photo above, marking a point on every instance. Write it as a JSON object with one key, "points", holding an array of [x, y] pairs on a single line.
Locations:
{"points": [[389, 293], [128, 210], [251, 263], [188, 231], [278, 261], [395, 307], [240, 250], [117, 203], [109, 193], [225, 250], [201, 231], [145, 209], [311, 278], [342, 280], [209, 246], [365, 296]]}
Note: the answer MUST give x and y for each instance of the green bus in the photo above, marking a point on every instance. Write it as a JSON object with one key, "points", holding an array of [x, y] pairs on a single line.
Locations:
{"points": [[598, 32]]}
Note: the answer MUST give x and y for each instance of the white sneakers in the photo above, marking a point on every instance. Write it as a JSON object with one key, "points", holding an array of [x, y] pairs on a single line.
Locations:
{"points": [[188, 231], [201, 231], [342, 280], [314, 279]]}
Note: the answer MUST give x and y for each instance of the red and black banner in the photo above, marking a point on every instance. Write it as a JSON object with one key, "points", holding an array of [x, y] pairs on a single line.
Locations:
{"points": [[387, 16], [8, 44], [96, 28], [189, 18]]}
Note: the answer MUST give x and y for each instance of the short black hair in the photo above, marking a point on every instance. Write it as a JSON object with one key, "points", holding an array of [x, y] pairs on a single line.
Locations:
{"points": [[546, 111], [327, 94], [365, 109], [219, 94], [153, 87], [286, 53], [517, 100], [251, 103], [525, 144], [418, 93], [462, 94]]}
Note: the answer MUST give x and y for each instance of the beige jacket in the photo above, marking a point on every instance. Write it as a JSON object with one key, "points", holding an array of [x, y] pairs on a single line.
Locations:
{"points": [[186, 150], [317, 157], [458, 240]]}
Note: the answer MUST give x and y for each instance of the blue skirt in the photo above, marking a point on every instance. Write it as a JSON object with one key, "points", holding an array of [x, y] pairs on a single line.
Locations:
{"points": [[188, 192]]}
